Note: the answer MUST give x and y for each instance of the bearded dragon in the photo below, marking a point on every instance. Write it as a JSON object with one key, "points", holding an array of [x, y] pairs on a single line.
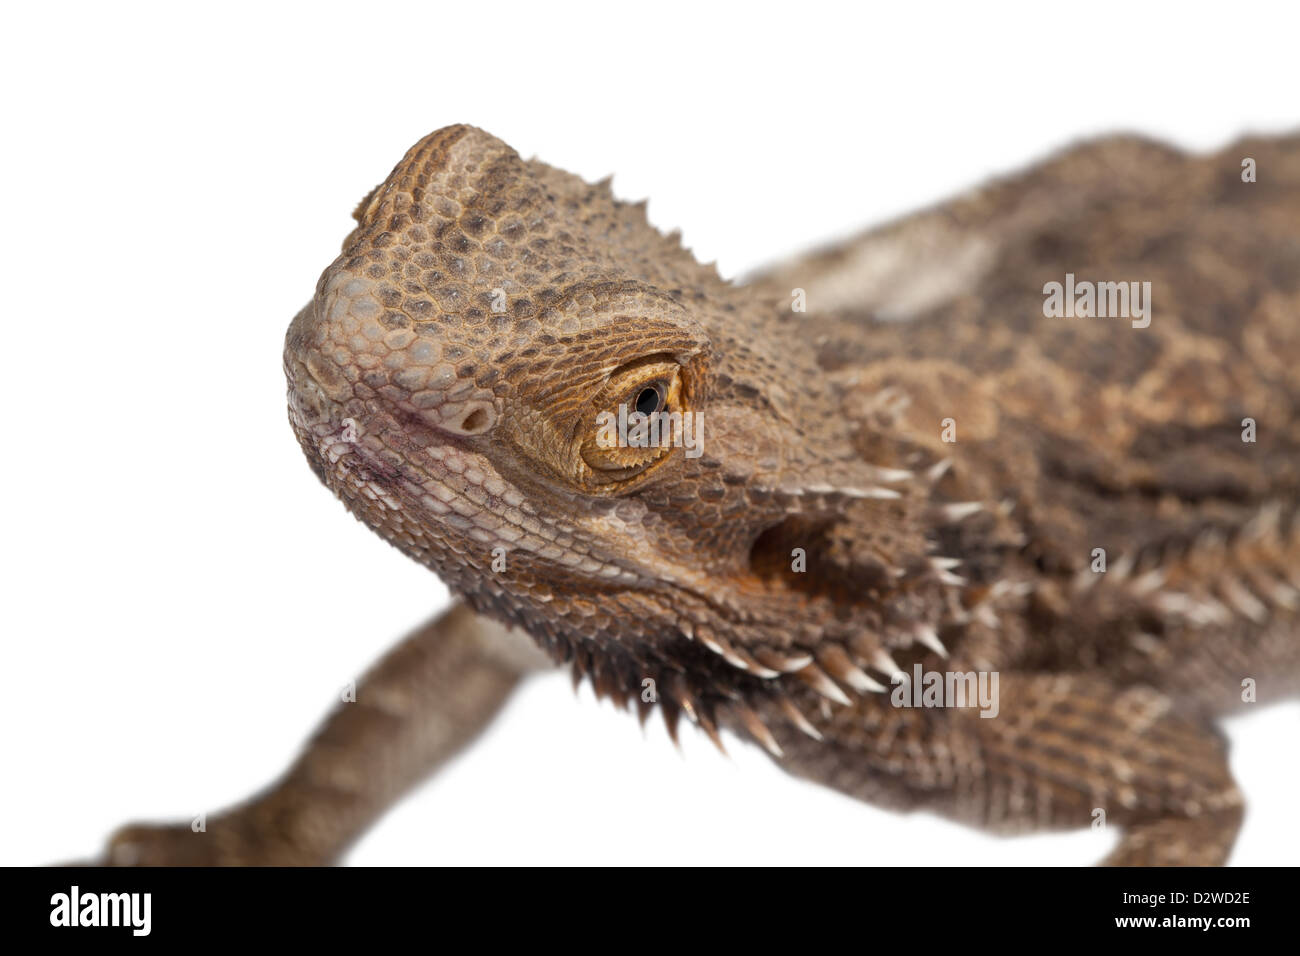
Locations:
{"points": [[907, 466]]}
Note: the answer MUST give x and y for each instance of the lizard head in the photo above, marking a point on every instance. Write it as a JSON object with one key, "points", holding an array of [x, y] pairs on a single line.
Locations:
{"points": [[466, 379], [461, 355]]}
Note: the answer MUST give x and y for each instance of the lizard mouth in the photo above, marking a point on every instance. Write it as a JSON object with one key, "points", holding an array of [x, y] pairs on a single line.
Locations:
{"points": [[429, 492]]}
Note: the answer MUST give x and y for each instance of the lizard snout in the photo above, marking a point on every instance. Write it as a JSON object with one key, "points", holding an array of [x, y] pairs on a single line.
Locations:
{"points": [[361, 356]]}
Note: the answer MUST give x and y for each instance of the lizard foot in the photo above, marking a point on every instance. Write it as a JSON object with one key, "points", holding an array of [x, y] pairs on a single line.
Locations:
{"points": [[1179, 841], [233, 839]]}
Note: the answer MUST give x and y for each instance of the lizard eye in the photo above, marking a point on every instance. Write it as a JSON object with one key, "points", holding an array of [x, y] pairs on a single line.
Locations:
{"points": [[615, 448]]}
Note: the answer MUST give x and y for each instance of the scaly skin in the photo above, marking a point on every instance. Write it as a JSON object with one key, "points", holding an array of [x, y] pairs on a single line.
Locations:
{"points": [[446, 380]]}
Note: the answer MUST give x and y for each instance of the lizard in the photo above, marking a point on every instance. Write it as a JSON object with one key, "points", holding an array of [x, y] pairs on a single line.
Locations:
{"points": [[919, 471]]}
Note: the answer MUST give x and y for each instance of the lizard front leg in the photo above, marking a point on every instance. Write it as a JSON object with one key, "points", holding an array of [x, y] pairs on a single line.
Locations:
{"points": [[422, 703], [1059, 749]]}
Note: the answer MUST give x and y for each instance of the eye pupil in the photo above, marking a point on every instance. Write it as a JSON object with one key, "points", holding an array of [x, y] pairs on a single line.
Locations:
{"points": [[647, 402]]}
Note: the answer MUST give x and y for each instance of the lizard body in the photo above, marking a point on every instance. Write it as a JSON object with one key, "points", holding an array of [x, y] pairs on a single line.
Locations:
{"points": [[447, 380]]}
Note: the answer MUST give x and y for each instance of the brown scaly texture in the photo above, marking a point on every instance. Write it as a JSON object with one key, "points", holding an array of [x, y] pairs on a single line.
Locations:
{"points": [[446, 380]]}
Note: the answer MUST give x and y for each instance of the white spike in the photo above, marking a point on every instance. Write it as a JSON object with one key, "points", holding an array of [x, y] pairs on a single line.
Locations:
{"points": [[1184, 605], [882, 662], [1011, 588], [1148, 582], [1084, 580], [960, 510], [938, 470], [1214, 611], [863, 682], [1123, 567], [928, 636], [885, 494], [837, 661], [1285, 595], [1146, 643], [796, 717], [817, 679], [732, 657], [746, 662], [1245, 602], [890, 475], [758, 730], [760, 670], [781, 662], [735, 658]]}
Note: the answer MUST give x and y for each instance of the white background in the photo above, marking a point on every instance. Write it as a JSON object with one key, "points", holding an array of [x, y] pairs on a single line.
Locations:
{"points": [[182, 599]]}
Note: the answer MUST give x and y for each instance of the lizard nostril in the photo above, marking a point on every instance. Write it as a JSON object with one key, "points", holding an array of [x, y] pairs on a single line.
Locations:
{"points": [[477, 419], [474, 422]]}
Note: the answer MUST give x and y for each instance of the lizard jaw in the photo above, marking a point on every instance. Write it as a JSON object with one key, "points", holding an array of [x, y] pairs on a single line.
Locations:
{"points": [[436, 498]]}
